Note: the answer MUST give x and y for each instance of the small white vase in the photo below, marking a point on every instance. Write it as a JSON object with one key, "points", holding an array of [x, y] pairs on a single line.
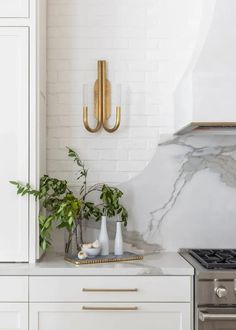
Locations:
{"points": [[103, 237], [118, 248]]}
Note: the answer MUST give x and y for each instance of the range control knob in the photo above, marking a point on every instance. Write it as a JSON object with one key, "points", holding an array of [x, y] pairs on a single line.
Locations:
{"points": [[221, 292]]}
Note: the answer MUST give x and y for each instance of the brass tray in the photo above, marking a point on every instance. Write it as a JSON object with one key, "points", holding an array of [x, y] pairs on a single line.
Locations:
{"points": [[127, 256]]}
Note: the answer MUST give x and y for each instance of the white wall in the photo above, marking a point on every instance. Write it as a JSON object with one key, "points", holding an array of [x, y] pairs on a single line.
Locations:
{"points": [[148, 44], [188, 188]]}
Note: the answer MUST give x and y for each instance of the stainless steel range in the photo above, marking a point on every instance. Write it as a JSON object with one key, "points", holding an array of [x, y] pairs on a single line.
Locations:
{"points": [[215, 288]]}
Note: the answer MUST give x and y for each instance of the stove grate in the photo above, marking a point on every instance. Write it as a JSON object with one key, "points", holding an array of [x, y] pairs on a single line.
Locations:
{"points": [[215, 258]]}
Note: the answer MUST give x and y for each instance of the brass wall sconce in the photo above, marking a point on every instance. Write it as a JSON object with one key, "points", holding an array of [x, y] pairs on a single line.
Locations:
{"points": [[102, 103]]}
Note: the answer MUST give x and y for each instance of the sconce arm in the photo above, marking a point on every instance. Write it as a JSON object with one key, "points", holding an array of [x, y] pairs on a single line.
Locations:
{"points": [[86, 124], [117, 124]]}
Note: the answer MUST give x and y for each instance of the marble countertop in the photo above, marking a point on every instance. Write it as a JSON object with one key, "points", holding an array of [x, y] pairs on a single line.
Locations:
{"points": [[163, 263]]}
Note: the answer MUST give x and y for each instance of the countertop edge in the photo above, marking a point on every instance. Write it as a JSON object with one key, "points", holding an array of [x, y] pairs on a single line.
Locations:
{"points": [[159, 264]]}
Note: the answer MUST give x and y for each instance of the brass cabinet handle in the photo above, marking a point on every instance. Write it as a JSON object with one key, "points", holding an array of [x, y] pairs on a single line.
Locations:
{"points": [[105, 308], [109, 290]]}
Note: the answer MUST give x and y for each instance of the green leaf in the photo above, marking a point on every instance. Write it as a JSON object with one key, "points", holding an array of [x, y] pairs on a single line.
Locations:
{"points": [[14, 182], [63, 208], [44, 245]]}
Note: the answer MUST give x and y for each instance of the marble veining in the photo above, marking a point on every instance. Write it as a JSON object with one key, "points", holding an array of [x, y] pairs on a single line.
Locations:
{"points": [[217, 159], [181, 167]]}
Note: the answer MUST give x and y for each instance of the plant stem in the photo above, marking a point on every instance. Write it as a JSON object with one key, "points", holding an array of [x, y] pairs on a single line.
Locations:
{"points": [[76, 239], [96, 187], [68, 243], [81, 231]]}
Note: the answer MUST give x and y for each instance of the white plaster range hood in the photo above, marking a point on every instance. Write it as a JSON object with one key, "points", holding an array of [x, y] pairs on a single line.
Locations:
{"points": [[206, 96]]}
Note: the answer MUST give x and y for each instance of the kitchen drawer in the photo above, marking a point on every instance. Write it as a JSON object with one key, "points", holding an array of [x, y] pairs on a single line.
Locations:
{"points": [[107, 316], [14, 8], [110, 288], [13, 316], [13, 288]]}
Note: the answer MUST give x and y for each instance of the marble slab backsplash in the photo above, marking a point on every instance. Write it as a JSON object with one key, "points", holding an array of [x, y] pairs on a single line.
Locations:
{"points": [[185, 197]]}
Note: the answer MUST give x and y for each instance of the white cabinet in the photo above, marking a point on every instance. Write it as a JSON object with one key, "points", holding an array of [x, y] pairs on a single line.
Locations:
{"points": [[110, 302], [14, 141], [22, 42], [14, 289], [14, 303], [14, 8], [132, 316], [110, 288], [14, 316]]}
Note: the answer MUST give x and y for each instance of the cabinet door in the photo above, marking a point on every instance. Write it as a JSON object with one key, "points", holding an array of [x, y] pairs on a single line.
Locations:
{"points": [[14, 8], [13, 316], [14, 144], [107, 316]]}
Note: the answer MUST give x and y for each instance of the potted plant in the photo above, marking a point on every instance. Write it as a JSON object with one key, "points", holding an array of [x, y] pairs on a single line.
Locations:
{"points": [[59, 205]]}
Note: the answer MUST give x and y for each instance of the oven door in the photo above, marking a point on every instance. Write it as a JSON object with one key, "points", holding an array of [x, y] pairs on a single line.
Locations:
{"points": [[222, 318]]}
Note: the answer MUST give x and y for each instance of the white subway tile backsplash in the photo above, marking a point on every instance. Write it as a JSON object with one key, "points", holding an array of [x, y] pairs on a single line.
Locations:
{"points": [[145, 154], [147, 132], [88, 43], [153, 121], [135, 38], [132, 144], [131, 165]]}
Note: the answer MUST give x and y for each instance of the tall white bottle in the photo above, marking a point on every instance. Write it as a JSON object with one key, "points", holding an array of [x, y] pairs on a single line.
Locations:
{"points": [[103, 237], [118, 248]]}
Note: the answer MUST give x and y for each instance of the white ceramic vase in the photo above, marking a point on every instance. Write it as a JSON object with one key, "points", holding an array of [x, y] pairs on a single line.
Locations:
{"points": [[118, 248], [103, 237]]}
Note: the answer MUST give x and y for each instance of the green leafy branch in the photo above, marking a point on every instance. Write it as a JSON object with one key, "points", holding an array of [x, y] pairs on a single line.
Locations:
{"points": [[66, 210]]}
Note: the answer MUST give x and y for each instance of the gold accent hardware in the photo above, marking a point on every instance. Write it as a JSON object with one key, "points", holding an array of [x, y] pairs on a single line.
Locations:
{"points": [[201, 125], [109, 290], [85, 308], [85, 116], [102, 103], [102, 260]]}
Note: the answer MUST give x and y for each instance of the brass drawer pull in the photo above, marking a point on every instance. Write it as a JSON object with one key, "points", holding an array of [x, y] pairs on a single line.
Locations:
{"points": [[85, 308], [109, 290]]}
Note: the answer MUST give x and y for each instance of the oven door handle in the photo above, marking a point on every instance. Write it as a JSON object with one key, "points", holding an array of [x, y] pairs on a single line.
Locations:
{"points": [[216, 317]]}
